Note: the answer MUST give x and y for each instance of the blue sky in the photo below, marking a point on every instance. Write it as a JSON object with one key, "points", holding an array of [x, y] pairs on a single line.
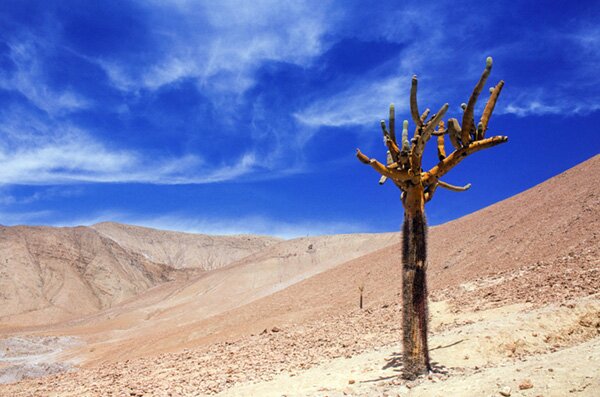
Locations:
{"points": [[243, 117]]}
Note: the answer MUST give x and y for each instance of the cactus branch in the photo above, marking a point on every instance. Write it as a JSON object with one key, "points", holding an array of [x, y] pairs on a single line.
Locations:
{"points": [[424, 115], [393, 148], [405, 144], [392, 123], [414, 109], [454, 133], [384, 129], [440, 142], [453, 187], [489, 106], [433, 123], [467, 121], [390, 172], [361, 157], [443, 167]]}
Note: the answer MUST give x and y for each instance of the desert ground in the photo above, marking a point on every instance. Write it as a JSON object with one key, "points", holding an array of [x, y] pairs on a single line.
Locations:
{"points": [[121, 310]]}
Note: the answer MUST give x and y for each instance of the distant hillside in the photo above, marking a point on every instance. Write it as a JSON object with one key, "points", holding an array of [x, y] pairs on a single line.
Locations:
{"points": [[52, 274], [184, 250]]}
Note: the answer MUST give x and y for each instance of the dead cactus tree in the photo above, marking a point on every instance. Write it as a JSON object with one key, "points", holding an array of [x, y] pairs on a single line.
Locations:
{"points": [[403, 168]]}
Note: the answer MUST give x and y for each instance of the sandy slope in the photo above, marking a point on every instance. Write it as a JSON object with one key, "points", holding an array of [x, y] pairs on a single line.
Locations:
{"points": [[145, 324], [510, 306]]}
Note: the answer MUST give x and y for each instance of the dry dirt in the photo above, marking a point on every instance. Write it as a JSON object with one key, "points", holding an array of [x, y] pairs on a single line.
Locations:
{"points": [[515, 310]]}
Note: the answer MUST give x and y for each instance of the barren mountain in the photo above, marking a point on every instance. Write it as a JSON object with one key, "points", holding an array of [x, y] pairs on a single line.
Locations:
{"points": [[45, 270], [50, 274], [516, 305], [184, 250]]}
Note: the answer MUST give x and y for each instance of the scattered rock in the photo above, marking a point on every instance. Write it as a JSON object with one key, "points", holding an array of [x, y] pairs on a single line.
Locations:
{"points": [[275, 329], [525, 384], [351, 382], [505, 391]]}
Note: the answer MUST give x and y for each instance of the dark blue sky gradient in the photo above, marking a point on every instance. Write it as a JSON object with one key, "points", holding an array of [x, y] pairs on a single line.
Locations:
{"points": [[233, 117]]}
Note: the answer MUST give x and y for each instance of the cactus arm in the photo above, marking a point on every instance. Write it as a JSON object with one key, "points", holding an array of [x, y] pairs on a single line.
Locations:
{"points": [[441, 131], [440, 142], [453, 187], [393, 149], [392, 123], [489, 106], [416, 152], [428, 195], [467, 121], [414, 108], [361, 157], [405, 144], [392, 173], [384, 129], [479, 132], [424, 115], [395, 174], [454, 133], [443, 167], [426, 134], [383, 170]]}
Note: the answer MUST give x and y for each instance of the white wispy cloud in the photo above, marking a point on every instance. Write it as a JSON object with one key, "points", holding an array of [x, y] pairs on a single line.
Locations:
{"points": [[63, 154], [355, 106], [449, 77], [221, 44], [28, 79], [575, 89]]}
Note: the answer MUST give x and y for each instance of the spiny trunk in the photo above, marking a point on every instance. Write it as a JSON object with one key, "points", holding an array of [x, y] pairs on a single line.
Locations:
{"points": [[414, 286]]}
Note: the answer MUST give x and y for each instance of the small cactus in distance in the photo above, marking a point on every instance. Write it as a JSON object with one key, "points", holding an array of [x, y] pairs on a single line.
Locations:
{"points": [[360, 302]]}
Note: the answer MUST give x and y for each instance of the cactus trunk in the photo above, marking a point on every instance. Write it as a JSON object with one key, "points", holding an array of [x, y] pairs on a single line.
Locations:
{"points": [[414, 285]]}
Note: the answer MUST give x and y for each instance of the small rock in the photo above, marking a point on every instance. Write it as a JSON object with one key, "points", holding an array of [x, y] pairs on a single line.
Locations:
{"points": [[525, 384], [505, 391], [275, 329], [351, 382]]}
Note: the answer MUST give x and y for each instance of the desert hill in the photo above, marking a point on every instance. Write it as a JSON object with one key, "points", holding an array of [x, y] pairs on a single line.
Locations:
{"points": [[44, 270], [184, 250], [514, 289]]}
